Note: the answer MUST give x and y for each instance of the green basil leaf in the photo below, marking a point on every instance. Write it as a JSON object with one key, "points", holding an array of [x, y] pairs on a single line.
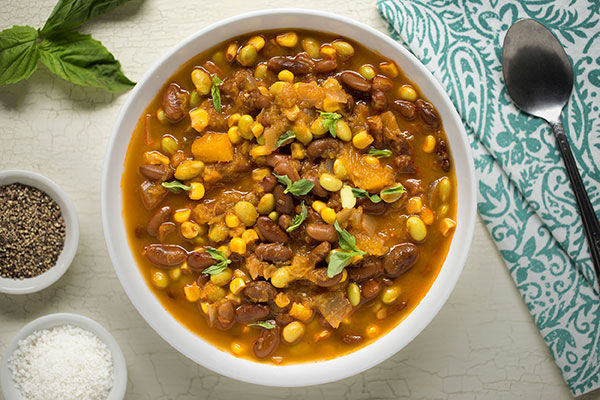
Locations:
{"points": [[19, 54], [263, 324], [346, 240], [285, 137], [398, 189], [298, 219], [216, 93], [70, 14], [284, 180], [380, 153], [298, 188], [83, 61], [222, 261], [363, 194], [340, 259], [330, 121], [176, 186]]}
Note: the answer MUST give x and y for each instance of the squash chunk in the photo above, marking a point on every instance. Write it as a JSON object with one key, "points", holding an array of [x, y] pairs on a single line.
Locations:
{"points": [[213, 147]]}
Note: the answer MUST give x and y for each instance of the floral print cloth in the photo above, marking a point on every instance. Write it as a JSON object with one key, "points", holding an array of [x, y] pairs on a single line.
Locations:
{"points": [[524, 194]]}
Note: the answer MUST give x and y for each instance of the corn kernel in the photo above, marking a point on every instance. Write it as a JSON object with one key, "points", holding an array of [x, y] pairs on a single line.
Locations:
{"points": [[318, 206], [160, 279], [344, 275], [204, 307], [182, 215], [237, 245], [259, 151], [416, 228], [372, 330], [328, 215], [237, 285], [371, 160], [199, 119], [156, 158], [293, 332], [257, 41], [259, 174], [301, 312], [233, 119], [231, 51], [407, 93], [231, 220], [197, 191], [189, 229], [323, 335], [427, 215], [277, 87], [245, 125], [237, 348], [263, 90], [234, 135], [281, 277], [362, 139], [289, 39], [175, 273], [298, 151], [330, 105], [291, 113], [328, 51], [185, 268], [191, 292], [390, 294], [429, 144], [249, 236], [257, 129], [447, 225], [414, 205], [235, 299], [389, 68], [282, 300], [285, 75]]}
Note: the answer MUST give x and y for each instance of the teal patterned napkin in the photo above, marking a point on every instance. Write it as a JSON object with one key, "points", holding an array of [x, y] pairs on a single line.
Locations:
{"points": [[524, 194]]}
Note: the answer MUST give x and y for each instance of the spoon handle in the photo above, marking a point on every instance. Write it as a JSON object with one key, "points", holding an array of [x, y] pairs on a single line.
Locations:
{"points": [[590, 221]]}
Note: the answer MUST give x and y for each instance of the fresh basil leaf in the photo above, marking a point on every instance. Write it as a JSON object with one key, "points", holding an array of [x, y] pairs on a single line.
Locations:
{"points": [[398, 189], [363, 194], [19, 54], [84, 61], [70, 14], [298, 188], [222, 261], [216, 93], [284, 180], [263, 324], [340, 259], [346, 240], [380, 153], [285, 137], [298, 219], [176, 186], [330, 121]]}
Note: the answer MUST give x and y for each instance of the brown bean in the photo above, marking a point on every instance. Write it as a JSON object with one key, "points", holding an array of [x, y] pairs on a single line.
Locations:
{"points": [[379, 101], [284, 203], [323, 66], [258, 100], [317, 189], [175, 102], [323, 148], [287, 168], [273, 252], [320, 252], [247, 313], [370, 288], [352, 339], [427, 114], [372, 208], [301, 64], [152, 193], [270, 231], [164, 229], [404, 165], [322, 232], [369, 268], [413, 186], [381, 82], [268, 183], [213, 69], [267, 342], [165, 255], [407, 109], [355, 81], [202, 279], [443, 158], [200, 260], [225, 316], [259, 291], [400, 259], [320, 278], [156, 172], [375, 125], [162, 215]]}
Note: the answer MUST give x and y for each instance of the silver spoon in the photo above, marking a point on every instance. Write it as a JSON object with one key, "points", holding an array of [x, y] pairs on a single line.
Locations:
{"points": [[539, 79]]}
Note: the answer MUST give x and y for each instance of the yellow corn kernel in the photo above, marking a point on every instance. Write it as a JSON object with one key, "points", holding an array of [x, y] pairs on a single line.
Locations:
{"points": [[257, 41], [261, 71], [191, 292], [236, 285], [330, 105], [277, 87], [235, 299], [323, 335], [249, 236], [381, 313], [389, 69], [234, 135], [353, 292], [185, 268], [231, 51], [371, 160], [362, 139], [328, 51], [291, 113], [285, 75], [282, 300], [301, 312], [197, 191], [247, 55], [175, 273], [372, 330], [343, 131], [293, 332], [231, 220], [189, 229], [429, 144], [444, 187], [367, 71], [427, 215], [237, 245], [344, 49], [260, 173], [233, 119], [280, 278], [204, 307], [257, 129], [263, 90], [225, 249], [303, 134], [328, 215], [222, 278], [245, 126], [344, 275], [416, 228], [298, 151], [390, 294], [414, 205], [259, 151], [447, 225], [160, 279], [201, 81], [339, 169], [182, 215], [407, 93], [318, 206], [288, 39], [237, 348], [330, 183], [156, 158], [199, 119]]}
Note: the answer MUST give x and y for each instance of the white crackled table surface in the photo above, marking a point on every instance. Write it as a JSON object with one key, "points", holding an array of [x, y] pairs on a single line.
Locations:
{"points": [[482, 345]]}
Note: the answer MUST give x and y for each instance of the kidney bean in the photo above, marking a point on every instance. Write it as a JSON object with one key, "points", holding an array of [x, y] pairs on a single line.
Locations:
{"points": [[352, 339], [202, 279], [323, 66], [200, 260], [372, 208], [317, 189], [268, 183], [320, 252], [299, 65], [322, 232], [259, 291], [267, 342], [413, 186], [379, 101], [323, 148], [287, 168], [427, 114], [407, 109], [165, 255], [156, 172], [164, 229], [273, 252], [381, 82], [320, 278], [370, 288], [175, 102], [162, 215], [247, 313], [225, 316], [213, 69], [355, 81], [284, 203], [270, 231], [369, 268], [400, 259]]}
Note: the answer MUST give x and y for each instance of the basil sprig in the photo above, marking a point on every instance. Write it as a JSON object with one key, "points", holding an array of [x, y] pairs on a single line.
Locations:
{"points": [[74, 57], [263, 324], [216, 93], [363, 194], [222, 261], [176, 186], [398, 189], [380, 153], [298, 219], [330, 121], [298, 188], [284, 139], [340, 259]]}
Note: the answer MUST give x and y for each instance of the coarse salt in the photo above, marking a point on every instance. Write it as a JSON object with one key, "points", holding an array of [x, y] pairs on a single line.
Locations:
{"points": [[65, 362]]}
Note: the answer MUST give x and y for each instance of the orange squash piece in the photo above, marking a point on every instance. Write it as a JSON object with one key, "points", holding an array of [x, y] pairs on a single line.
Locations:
{"points": [[213, 147]]}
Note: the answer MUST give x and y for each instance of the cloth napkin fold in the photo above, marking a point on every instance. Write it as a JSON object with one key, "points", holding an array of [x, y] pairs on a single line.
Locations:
{"points": [[524, 194]]}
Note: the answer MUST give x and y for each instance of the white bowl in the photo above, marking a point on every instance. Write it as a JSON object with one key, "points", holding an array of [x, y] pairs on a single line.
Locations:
{"points": [[119, 387], [42, 281], [192, 345]]}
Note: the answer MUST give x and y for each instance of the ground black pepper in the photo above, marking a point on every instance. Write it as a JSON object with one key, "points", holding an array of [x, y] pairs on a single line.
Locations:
{"points": [[32, 231]]}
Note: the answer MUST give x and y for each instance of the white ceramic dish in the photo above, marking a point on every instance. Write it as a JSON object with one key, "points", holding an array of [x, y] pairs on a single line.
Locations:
{"points": [[119, 387], [195, 347], [31, 285]]}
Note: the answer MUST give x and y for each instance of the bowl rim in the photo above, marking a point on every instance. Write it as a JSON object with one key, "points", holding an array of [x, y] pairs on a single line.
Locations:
{"points": [[117, 392], [310, 373], [69, 213]]}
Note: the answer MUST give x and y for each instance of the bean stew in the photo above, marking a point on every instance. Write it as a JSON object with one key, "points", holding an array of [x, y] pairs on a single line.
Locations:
{"points": [[289, 196]]}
